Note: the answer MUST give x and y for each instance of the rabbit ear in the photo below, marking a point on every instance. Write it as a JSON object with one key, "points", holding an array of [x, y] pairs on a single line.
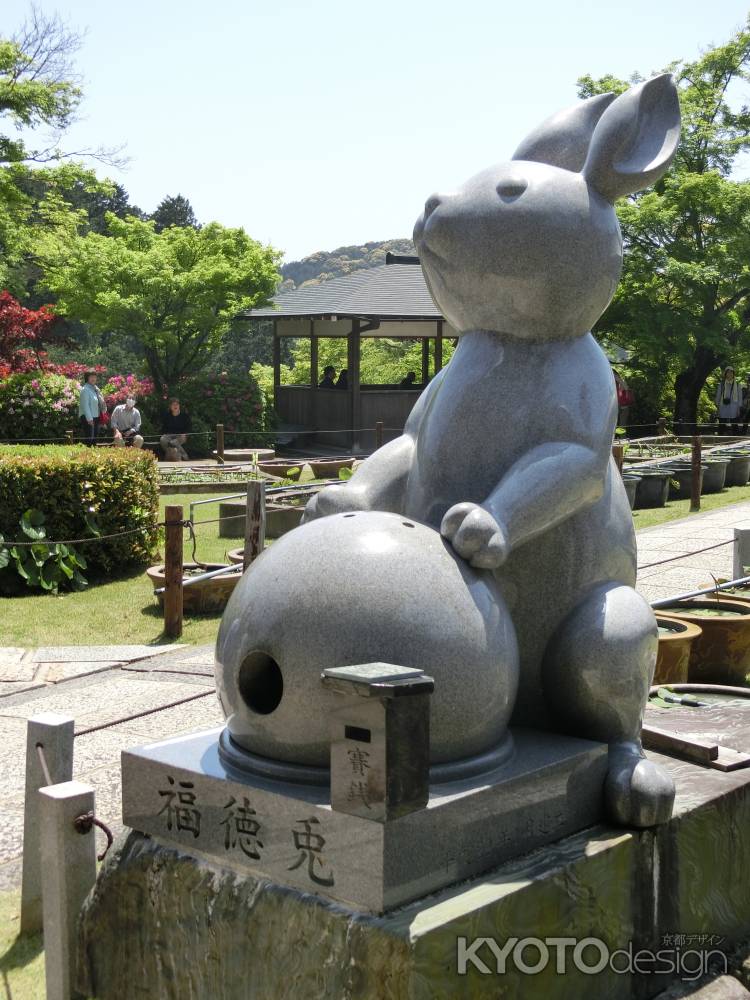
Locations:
{"points": [[635, 140], [563, 140]]}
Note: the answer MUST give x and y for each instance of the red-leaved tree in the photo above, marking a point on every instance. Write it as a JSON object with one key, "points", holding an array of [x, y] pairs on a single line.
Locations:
{"points": [[23, 332]]}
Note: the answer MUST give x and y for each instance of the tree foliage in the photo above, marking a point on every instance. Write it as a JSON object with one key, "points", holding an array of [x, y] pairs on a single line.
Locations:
{"points": [[685, 288], [23, 332], [175, 292], [174, 211]]}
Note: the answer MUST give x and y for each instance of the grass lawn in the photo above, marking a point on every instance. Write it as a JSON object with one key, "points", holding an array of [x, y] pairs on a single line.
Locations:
{"points": [[125, 610], [21, 959], [676, 509]]}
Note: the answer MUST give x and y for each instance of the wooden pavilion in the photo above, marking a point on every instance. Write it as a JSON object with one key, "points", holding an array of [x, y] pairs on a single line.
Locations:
{"points": [[388, 301]]}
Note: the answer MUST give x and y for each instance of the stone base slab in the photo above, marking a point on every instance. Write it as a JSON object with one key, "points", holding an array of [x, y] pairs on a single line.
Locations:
{"points": [[180, 793], [162, 923]]}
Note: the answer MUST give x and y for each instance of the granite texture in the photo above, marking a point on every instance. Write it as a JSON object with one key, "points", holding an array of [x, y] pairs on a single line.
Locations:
{"points": [[508, 450], [169, 924], [359, 588], [180, 792]]}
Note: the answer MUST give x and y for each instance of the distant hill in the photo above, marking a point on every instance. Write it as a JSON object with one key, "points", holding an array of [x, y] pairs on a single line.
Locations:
{"points": [[324, 265]]}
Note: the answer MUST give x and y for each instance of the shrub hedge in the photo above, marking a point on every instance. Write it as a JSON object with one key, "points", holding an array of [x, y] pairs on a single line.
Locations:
{"points": [[77, 488]]}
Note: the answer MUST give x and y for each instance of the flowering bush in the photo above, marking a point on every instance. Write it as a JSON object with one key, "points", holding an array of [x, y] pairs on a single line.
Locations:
{"points": [[37, 405], [117, 388]]}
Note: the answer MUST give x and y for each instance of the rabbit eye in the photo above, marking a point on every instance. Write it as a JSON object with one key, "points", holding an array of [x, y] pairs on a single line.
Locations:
{"points": [[511, 189]]}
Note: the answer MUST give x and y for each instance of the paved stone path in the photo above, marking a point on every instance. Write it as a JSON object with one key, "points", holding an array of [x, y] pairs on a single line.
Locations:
{"points": [[104, 684]]}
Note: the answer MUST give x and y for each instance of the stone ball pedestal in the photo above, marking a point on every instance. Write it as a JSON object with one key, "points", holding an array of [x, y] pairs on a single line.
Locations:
{"points": [[357, 588]]}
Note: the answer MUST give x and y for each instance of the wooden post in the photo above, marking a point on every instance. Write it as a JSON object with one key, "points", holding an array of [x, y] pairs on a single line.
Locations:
{"points": [[439, 346], [54, 733], [425, 361], [276, 366], [618, 452], [173, 572], [220, 443], [661, 426], [378, 434], [69, 436], [255, 521], [69, 863], [695, 482], [353, 363], [314, 376]]}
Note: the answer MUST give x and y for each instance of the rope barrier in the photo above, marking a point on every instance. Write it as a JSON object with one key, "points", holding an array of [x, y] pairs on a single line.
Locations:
{"points": [[686, 555], [142, 715]]}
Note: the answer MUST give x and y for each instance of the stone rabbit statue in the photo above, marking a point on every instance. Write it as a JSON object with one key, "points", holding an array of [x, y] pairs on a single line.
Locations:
{"points": [[508, 450]]}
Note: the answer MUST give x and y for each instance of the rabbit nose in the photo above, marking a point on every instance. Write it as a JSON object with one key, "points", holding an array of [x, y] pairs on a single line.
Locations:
{"points": [[430, 205]]}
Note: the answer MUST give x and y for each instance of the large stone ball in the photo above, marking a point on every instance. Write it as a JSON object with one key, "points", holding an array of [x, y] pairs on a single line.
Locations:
{"points": [[359, 588]]}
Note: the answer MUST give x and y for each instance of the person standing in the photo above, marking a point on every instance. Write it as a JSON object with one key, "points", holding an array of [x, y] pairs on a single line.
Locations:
{"points": [[728, 399], [175, 429], [126, 424], [91, 405]]}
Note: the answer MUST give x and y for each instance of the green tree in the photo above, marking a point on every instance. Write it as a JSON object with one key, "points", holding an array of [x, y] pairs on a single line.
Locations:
{"points": [[174, 293], [685, 289], [39, 98], [174, 211]]}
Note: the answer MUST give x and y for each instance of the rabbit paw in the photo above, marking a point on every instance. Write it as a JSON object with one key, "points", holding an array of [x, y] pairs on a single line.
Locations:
{"points": [[475, 535], [638, 792], [334, 500]]}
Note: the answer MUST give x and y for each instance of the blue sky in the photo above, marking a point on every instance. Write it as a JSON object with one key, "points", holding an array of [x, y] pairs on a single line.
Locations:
{"points": [[315, 125]]}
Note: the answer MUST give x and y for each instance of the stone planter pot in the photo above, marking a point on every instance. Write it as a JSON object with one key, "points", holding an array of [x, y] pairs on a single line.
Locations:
{"points": [[282, 469], [681, 480], [205, 597], [630, 482], [675, 642], [721, 654], [714, 478], [652, 490], [328, 468], [738, 470]]}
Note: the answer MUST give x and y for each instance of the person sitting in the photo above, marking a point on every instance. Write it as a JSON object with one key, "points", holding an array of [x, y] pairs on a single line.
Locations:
{"points": [[407, 382], [342, 382], [327, 381], [175, 429], [126, 424]]}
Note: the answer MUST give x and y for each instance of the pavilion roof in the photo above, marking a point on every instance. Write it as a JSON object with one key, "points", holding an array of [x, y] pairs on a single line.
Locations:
{"points": [[393, 291]]}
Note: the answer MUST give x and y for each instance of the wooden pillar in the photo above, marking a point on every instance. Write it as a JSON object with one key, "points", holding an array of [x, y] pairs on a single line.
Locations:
{"points": [[355, 400], [314, 377], [276, 367], [255, 522], [438, 346], [425, 360], [173, 570], [696, 477]]}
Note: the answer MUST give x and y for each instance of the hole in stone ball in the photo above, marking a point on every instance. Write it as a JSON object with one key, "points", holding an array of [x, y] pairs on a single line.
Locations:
{"points": [[348, 515], [260, 682], [407, 524]]}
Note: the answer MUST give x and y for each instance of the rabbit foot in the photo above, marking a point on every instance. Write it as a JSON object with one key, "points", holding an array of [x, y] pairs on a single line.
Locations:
{"points": [[637, 792], [475, 535]]}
